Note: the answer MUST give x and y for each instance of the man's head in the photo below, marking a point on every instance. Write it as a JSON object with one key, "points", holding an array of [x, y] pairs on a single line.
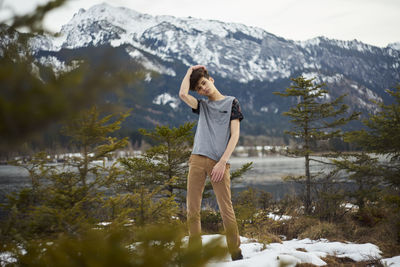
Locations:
{"points": [[201, 82]]}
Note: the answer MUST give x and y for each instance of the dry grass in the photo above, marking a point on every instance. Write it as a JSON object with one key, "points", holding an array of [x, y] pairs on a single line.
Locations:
{"points": [[266, 238], [263, 231], [383, 233], [294, 227], [323, 230], [379, 227]]}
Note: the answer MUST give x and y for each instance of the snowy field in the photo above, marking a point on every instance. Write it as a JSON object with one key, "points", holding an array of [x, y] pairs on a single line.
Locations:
{"points": [[292, 252]]}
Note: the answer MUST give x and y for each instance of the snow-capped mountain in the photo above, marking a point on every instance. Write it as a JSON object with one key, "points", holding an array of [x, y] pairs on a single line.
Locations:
{"points": [[395, 45], [256, 53], [249, 62]]}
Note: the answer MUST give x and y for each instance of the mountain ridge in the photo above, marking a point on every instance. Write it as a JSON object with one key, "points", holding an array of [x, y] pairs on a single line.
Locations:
{"points": [[248, 61]]}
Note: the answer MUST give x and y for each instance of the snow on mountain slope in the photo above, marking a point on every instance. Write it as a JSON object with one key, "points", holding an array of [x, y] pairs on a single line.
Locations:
{"points": [[165, 99], [216, 44], [134, 24], [351, 45], [249, 57], [233, 50], [395, 45], [247, 62]]}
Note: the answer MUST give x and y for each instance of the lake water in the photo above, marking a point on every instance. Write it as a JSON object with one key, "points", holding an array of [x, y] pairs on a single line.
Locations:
{"points": [[266, 174], [268, 171]]}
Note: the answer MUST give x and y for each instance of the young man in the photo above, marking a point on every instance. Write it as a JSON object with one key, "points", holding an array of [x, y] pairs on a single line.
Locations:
{"points": [[216, 137]]}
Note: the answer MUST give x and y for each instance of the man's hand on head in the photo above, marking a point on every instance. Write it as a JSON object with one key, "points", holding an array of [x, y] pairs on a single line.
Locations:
{"points": [[217, 173], [195, 67]]}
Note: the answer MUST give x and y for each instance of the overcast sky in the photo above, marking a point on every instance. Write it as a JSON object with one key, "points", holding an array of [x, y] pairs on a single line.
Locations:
{"points": [[375, 22]]}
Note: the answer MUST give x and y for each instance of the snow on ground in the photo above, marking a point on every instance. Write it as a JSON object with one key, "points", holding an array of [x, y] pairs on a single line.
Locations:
{"points": [[278, 217], [395, 261], [296, 251], [6, 257]]}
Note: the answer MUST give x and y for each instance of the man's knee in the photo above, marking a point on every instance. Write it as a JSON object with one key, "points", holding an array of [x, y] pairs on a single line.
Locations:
{"points": [[193, 215]]}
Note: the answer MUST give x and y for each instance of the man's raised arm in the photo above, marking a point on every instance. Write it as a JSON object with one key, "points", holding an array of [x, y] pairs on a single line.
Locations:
{"points": [[184, 91]]}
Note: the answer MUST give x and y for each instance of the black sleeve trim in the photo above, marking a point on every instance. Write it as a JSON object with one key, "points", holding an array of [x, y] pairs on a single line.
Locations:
{"points": [[236, 111], [197, 110]]}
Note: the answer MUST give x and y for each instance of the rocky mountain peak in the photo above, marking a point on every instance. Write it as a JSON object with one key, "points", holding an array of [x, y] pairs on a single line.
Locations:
{"points": [[252, 61]]}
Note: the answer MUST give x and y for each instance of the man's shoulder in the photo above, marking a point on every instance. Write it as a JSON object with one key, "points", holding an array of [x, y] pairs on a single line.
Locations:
{"points": [[226, 98], [231, 99]]}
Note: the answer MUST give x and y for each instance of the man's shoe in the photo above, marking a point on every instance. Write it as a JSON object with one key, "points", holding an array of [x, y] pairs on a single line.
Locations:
{"points": [[237, 256]]}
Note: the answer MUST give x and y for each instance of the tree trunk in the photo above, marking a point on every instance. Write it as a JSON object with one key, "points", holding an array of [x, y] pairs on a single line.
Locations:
{"points": [[307, 169], [142, 219], [308, 184]]}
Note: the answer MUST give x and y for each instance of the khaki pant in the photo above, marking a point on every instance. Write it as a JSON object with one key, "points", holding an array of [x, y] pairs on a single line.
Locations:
{"points": [[199, 168]]}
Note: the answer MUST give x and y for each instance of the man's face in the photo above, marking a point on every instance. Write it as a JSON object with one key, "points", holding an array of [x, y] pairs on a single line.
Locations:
{"points": [[205, 86]]}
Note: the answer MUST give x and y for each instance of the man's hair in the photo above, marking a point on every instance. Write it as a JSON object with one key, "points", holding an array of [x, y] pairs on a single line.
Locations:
{"points": [[196, 75]]}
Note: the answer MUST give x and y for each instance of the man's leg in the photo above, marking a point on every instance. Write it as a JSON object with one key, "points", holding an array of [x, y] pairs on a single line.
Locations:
{"points": [[195, 186], [222, 192]]}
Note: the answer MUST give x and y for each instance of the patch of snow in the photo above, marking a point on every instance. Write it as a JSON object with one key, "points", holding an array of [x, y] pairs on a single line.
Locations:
{"points": [[357, 252], [47, 42], [332, 79], [287, 253], [372, 96], [7, 257], [147, 77], [35, 71], [311, 42], [311, 75], [166, 98], [312, 64], [349, 206], [391, 262], [104, 223], [350, 45], [276, 217], [136, 54], [320, 78], [57, 65], [395, 46]]}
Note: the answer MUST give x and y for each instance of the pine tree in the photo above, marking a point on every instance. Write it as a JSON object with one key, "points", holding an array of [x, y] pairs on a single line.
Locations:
{"points": [[313, 121], [91, 135], [246, 207], [71, 196], [362, 169], [382, 137], [164, 164]]}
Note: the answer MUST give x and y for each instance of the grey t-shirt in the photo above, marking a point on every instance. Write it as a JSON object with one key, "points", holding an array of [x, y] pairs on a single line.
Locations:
{"points": [[213, 128]]}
